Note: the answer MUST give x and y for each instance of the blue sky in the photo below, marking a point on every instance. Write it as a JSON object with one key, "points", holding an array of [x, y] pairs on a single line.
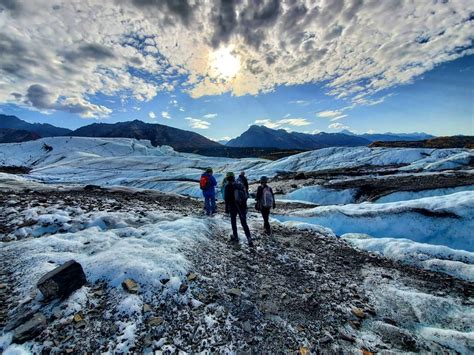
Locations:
{"points": [[298, 66]]}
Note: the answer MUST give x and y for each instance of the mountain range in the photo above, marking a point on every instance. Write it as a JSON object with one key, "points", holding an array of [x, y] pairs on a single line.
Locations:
{"points": [[157, 134], [10, 135], [256, 140], [41, 129], [264, 137], [389, 136]]}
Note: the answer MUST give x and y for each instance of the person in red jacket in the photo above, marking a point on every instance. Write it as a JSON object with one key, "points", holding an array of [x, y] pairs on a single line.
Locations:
{"points": [[208, 184]]}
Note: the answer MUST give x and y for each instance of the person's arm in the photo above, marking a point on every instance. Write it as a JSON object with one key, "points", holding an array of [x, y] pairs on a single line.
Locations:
{"points": [[259, 194], [273, 195]]}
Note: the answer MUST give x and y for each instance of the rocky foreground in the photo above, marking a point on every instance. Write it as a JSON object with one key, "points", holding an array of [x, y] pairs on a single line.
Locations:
{"points": [[300, 290]]}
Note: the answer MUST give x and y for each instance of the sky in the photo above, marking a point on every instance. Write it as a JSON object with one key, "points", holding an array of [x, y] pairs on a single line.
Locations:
{"points": [[216, 67]]}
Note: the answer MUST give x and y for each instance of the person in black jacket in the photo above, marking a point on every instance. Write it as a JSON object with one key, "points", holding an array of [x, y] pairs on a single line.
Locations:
{"points": [[265, 202], [237, 207], [244, 181]]}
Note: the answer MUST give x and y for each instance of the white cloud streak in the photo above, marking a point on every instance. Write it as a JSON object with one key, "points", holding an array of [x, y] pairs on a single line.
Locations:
{"points": [[296, 122], [337, 117], [197, 123], [329, 113]]}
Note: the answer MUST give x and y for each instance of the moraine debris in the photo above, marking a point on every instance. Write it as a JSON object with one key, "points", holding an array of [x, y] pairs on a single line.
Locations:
{"points": [[183, 288], [155, 321], [131, 286], [192, 276], [234, 292], [62, 281], [29, 329], [358, 312]]}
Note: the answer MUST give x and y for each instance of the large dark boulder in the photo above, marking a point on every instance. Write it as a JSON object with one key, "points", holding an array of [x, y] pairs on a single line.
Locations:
{"points": [[29, 329], [63, 280]]}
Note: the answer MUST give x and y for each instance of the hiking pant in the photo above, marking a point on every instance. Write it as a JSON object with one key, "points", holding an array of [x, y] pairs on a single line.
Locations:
{"points": [[210, 204], [243, 221], [266, 215]]}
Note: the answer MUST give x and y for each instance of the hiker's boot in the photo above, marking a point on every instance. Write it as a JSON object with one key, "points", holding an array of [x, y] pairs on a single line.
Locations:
{"points": [[251, 245], [233, 240]]}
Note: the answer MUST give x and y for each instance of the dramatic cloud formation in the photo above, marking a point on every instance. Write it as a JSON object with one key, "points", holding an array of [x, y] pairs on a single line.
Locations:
{"points": [[62, 55], [197, 123]]}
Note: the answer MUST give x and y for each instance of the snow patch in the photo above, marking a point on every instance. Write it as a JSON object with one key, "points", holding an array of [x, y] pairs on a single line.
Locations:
{"points": [[322, 196], [310, 227], [430, 318], [413, 195], [442, 220], [458, 263], [349, 157], [136, 163], [115, 246]]}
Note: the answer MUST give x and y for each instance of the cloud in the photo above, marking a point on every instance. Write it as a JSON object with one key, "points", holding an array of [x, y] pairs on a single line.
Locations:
{"points": [[166, 115], [300, 102], [298, 122], [13, 6], [224, 139], [89, 52], [337, 125], [39, 97], [329, 113], [337, 118], [295, 121], [152, 115], [210, 115], [197, 123], [78, 50]]}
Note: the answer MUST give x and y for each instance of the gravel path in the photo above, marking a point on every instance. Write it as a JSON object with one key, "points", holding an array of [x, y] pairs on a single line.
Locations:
{"points": [[296, 291]]}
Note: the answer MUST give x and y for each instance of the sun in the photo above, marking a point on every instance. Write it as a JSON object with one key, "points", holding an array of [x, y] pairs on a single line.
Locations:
{"points": [[224, 63]]}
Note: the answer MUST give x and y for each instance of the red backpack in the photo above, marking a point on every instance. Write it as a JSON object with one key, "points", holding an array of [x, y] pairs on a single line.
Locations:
{"points": [[205, 182]]}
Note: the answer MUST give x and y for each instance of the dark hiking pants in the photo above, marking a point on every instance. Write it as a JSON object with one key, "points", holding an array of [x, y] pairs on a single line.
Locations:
{"points": [[210, 204], [242, 213], [266, 215]]}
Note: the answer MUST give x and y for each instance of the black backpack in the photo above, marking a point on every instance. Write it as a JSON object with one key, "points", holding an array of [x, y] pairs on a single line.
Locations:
{"points": [[240, 194]]}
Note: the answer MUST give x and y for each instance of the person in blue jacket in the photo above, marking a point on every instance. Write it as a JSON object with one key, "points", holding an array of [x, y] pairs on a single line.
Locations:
{"points": [[208, 186]]}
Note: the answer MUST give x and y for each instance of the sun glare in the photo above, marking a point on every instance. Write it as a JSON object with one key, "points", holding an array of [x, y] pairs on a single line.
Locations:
{"points": [[224, 64]]}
